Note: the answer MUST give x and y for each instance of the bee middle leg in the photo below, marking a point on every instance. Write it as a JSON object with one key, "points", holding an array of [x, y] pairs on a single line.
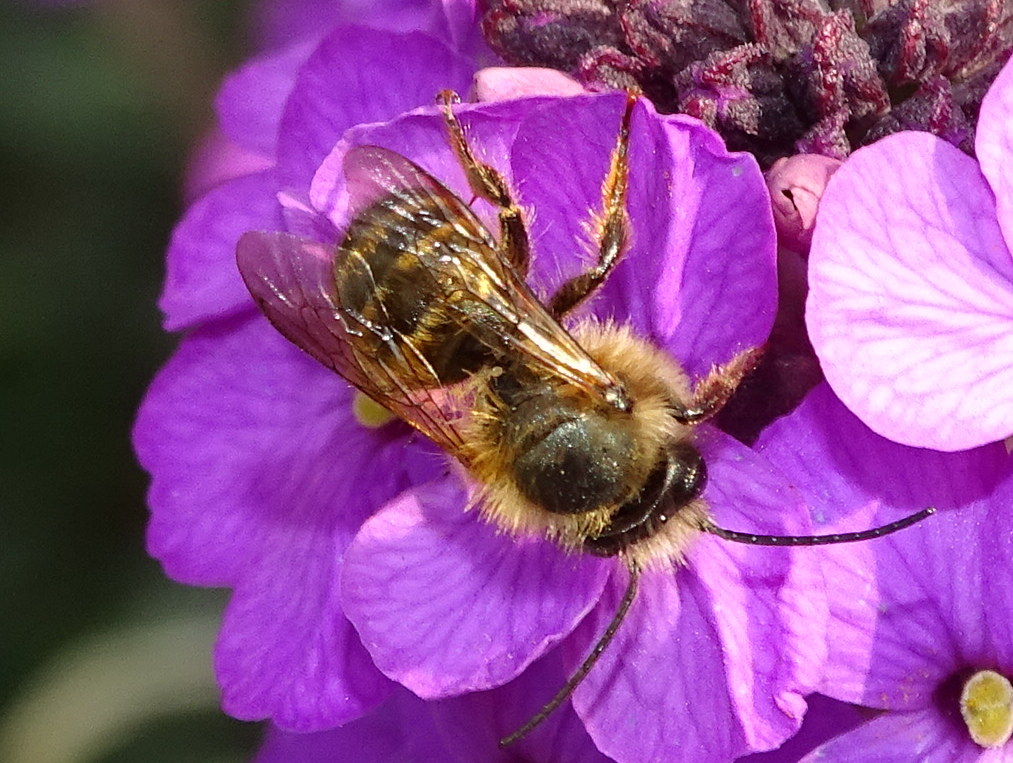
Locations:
{"points": [[490, 185], [611, 225], [713, 391]]}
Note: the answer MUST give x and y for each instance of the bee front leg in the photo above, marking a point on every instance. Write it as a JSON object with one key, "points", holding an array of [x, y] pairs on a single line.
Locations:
{"points": [[490, 185], [712, 392], [611, 226]]}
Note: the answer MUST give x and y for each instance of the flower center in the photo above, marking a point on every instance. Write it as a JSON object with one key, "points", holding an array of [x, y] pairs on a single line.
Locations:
{"points": [[987, 706], [370, 413]]}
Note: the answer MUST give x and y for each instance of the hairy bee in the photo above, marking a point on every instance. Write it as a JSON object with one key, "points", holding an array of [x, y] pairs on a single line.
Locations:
{"points": [[585, 436]]}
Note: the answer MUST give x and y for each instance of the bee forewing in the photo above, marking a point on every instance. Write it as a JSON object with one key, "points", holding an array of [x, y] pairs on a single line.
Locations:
{"points": [[472, 263], [292, 281], [374, 172]]}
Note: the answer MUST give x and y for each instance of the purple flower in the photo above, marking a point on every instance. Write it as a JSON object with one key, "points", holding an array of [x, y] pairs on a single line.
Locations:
{"points": [[915, 615], [912, 284], [249, 443], [447, 605]]}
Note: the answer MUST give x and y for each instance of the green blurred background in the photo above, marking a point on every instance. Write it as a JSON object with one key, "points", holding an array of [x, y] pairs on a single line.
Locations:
{"points": [[103, 659]]}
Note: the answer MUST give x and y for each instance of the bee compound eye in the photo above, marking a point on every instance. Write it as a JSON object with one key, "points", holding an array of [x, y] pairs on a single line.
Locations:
{"points": [[673, 484], [688, 474]]}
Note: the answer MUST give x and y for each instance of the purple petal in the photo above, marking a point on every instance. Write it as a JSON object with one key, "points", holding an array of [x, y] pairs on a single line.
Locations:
{"points": [[474, 723], [906, 609], [902, 738], [252, 99], [577, 133], [446, 605], [699, 274], [279, 22], [286, 651], [224, 441], [422, 137], [996, 540], [825, 718], [216, 159], [336, 89], [911, 286], [202, 282], [208, 427], [402, 728], [728, 644], [666, 655], [748, 491], [729, 283], [993, 144], [252, 467]]}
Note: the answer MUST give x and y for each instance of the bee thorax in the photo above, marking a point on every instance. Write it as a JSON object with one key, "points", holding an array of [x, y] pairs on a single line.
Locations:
{"points": [[569, 460]]}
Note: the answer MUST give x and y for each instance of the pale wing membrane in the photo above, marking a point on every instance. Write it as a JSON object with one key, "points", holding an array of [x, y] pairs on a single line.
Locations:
{"points": [[467, 268], [292, 280]]}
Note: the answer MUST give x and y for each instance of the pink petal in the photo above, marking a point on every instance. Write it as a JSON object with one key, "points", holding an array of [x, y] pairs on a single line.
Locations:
{"points": [[797, 184], [993, 144], [911, 302], [501, 83]]}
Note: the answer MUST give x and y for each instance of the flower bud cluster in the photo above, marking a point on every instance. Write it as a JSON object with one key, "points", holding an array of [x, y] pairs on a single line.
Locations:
{"points": [[776, 77]]}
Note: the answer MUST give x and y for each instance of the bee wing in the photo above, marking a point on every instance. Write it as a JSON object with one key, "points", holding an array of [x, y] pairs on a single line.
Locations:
{"points": [[470, 270], [292, 280]]}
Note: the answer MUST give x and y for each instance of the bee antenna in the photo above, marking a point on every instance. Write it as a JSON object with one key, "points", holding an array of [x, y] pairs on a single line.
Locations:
{"points": [[818, 540], [585, 667]]}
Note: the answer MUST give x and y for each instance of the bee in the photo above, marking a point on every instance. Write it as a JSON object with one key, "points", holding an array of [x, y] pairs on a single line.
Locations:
{"points": [[586, 436]]}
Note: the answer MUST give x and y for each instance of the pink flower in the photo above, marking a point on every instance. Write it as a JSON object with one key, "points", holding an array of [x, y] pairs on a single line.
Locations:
{"points": [[910, 307]]}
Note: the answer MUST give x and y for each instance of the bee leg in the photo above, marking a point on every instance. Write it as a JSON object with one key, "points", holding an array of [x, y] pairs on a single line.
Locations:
{"points": [[712, 392], [490, 185], [611, 226]]}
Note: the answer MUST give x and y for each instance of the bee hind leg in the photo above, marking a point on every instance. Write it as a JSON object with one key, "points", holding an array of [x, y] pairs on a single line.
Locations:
{"points": [[487, 183], [611, 226]]}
